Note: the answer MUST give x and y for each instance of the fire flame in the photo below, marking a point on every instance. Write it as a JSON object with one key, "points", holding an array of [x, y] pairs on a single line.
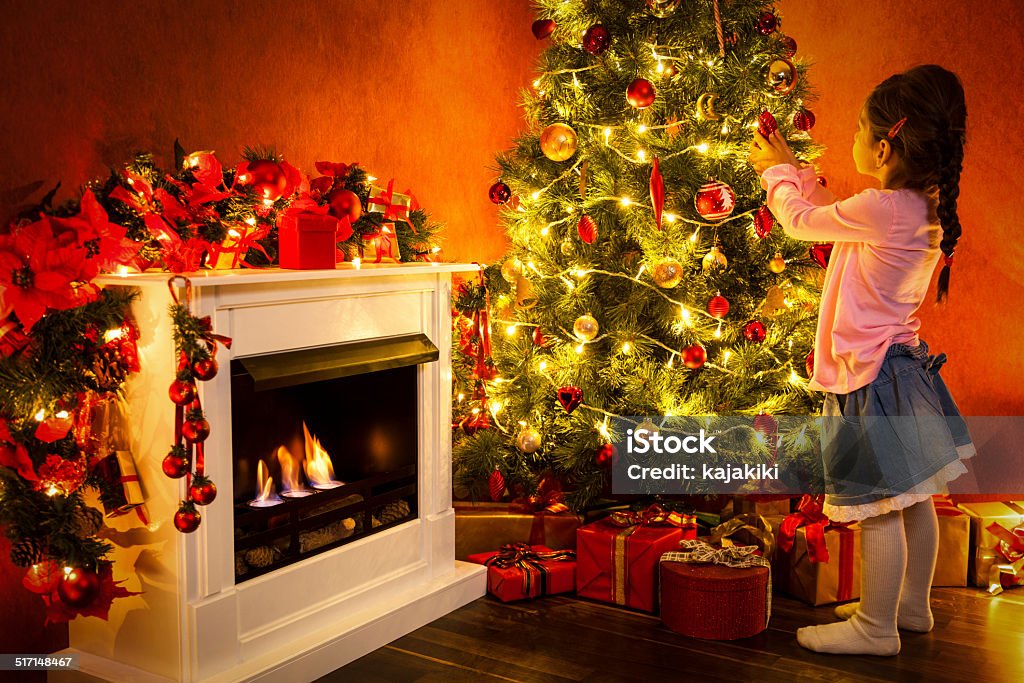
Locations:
{"points": [[265, 485], [289, 470], [318, 466]]}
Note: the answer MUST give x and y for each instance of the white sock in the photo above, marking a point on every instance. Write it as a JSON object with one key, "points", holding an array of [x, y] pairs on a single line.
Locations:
{"points": [[921, 525], [872, 630]]}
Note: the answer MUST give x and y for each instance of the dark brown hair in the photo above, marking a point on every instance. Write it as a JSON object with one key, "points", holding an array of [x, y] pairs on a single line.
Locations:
{"points": [[930, 144]]}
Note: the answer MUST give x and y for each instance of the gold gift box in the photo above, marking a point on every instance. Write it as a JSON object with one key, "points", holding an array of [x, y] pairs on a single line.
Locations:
{"points": [[817, 583], [983, 544], [485, 527]]}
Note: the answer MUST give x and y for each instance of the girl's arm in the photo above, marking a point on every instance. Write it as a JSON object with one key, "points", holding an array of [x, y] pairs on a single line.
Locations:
{"points": [[811, 188], [865, 217]]}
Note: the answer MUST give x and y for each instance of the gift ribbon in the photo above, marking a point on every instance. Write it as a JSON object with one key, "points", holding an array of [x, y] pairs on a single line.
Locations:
{"points": [[737, 556], [385, 204], [531, 562], [548, 500], [247, 239], [756, 525], [655, 515], [810, 516], [1007, 559]]}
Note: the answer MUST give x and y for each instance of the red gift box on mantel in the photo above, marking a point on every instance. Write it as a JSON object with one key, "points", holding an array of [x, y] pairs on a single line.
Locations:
{"points": [[617, 557], [307, 237], [519, 571], [718, 594]]}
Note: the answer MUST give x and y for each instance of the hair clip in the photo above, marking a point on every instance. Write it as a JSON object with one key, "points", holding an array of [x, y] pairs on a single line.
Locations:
{"points": [[896, 128], [948, 259]]}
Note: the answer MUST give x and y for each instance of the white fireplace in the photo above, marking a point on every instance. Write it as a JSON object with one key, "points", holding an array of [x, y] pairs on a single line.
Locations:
{"points": [[194, 621]]}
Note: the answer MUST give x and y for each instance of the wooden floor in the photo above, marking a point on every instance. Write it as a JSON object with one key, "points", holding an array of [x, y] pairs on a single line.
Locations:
{"points": [[977, 638]]}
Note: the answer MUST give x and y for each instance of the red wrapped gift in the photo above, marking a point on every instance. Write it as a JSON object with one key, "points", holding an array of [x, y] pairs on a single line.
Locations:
{"points": [[519, 571], [307, 237], [818, 561], [719, 594], [617, 557]]}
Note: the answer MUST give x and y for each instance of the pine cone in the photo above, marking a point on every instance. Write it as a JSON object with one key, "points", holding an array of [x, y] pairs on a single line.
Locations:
{"points": [[390, 512], [88, 521], [27, 552], [260, 556], [241, 568]]}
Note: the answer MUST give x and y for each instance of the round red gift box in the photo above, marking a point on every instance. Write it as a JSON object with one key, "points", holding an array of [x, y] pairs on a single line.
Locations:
{"points": [[714, 602]]}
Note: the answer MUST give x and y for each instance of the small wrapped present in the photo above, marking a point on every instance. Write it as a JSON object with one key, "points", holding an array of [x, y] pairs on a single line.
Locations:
{"points": [[307, 237], [997, 544], [483, 526], [231, 252], [394, 205], [954, 544], [762, 505], [744, 530], [519, 571], [381, 245], [617, 557], [719, 594], [818, 561]]}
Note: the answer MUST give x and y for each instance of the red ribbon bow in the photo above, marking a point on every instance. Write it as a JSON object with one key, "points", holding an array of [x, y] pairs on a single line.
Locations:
{"points": [[655, 515], [531, 562], [382, 241], [393, 211], [549, 498], [810, 516]]}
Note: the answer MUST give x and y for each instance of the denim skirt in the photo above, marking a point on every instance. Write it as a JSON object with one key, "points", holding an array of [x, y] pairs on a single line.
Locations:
{"points": [[893, 434]]}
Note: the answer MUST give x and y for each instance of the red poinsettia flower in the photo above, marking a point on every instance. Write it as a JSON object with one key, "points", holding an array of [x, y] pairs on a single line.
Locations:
{"points": [[58, 475], [206, 169], [105, 242], [39, 270], [160, 219], [15, 455], [334, 169]]}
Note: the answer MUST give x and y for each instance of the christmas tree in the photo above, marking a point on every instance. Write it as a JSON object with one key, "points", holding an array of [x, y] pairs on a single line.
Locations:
{"points": [[644, 276]]}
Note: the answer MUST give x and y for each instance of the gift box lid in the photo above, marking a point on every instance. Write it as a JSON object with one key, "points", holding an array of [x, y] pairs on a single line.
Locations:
{"points": [[308, 222], [713, 578]]}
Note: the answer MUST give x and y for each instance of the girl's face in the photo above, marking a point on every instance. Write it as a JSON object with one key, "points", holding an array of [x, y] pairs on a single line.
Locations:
{"points": [[865, 150]]}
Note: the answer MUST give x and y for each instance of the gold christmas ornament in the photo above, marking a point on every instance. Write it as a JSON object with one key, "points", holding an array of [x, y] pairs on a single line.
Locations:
{"points": [[528, 440], [774, 302], [567, 248], [668, 274], [777, 264], [647, 426], [511, 269], [558, 142], [526, 297], [781, 76], [715, 259], [706, 107], [585, 328]]}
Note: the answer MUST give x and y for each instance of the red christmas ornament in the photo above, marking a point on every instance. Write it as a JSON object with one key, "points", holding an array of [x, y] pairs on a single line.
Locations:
{"points": [[345, 204], [764, 221], [542, 28], [202, 491], [195, 430], [175, 464], [587, 229], [718, 306], [640, 93], [43, 577], [657, 185], [766, 124], [54, 428], [268, 179], [499, 193], [78, 587], [804, 119], [765, 423], [538, 337], [694, 356], [820, 254], [755, 331], [182, 392], [496, 485], [809, 364], [788, 46], [205, 369], [570, 397], [471, 423], [187, 518], [714, 200], [597, 39], [822, 180], [605, 455], [767, 23]]}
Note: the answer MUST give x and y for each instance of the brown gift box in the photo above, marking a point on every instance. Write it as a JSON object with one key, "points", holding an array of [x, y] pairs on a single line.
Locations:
{"points": [[755, 505], [954, 544], [820, 583], [983, 543], [482, 527]]}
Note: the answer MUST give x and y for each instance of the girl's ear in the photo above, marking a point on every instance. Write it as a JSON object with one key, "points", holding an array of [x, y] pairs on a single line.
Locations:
{"points": [[883, 154]]}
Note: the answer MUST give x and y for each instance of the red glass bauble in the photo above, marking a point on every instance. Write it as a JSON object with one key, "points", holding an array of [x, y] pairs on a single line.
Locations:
{"points": [[196, 430], [822, 180], [718, 306], [499, 193], [694, 356], [755, 331], [43, 577], [767, 23], [820, 254], [175, 466], [538, 336], [714, 200], [542, 28], [186, 520], [587, 229], [345, 204], [570, 397], [597, 39], [809, 364], [78, 587], [640, 93], [804, 119], [182, 392], [766, 424], [202, 491], [205, 369], [764, 221], [766, 124], [605, 455], [496, 485], [268, 179], [788, 46]]}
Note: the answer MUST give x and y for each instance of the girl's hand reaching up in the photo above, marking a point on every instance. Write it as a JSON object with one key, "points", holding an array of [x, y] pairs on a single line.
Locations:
{"points": [[770, 151]]}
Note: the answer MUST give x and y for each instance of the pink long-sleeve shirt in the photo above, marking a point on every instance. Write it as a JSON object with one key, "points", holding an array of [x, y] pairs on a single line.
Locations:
{"points": [[886, 248]]}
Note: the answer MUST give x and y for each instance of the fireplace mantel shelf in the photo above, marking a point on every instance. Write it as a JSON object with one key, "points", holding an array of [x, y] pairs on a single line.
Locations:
{"points": [[244, 276]]}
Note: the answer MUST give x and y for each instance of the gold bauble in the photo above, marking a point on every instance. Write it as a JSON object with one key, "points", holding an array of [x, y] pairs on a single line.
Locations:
{"points": [[567, 248], [706, 107], [647, 426], [668, 274], [528, 440], [777, 264], [526, 297], [774, 302], [558, 142], [511, 269], [715, 259], [781, 76], [585, 328]]}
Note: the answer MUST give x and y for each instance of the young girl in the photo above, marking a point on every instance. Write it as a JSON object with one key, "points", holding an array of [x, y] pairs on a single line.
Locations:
{"points": [[882, 454]]}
